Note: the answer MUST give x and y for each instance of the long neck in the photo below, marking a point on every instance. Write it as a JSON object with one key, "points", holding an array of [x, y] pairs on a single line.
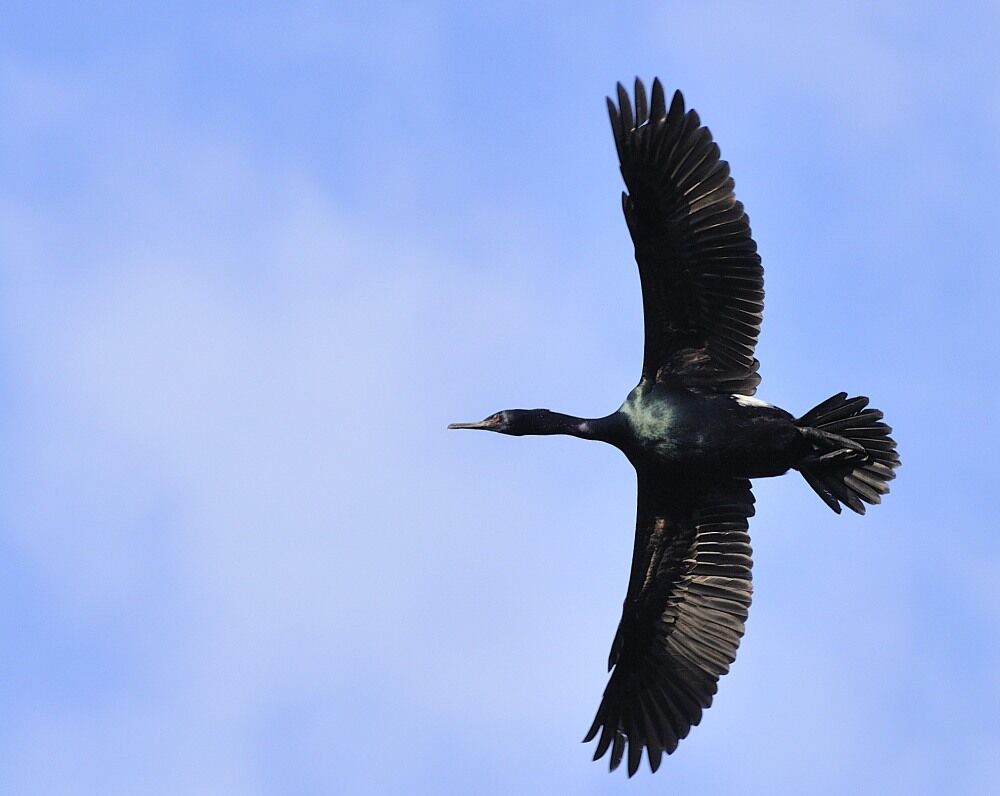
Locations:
{"points": [[547, 422]]}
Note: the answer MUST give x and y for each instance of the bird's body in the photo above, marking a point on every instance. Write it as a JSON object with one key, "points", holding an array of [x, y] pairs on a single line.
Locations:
{"points": [[710, 435], [695, 434]]}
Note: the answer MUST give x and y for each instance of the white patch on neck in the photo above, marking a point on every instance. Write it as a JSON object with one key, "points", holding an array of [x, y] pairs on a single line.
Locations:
{"points": [[747, 400]]}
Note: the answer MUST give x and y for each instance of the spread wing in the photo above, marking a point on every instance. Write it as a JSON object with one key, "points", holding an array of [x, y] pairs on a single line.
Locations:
{"points": [[683, 615], [702, 281]]}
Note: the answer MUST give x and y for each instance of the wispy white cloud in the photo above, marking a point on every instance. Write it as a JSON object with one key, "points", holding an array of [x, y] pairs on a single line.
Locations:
{"points": [[226, 463]]}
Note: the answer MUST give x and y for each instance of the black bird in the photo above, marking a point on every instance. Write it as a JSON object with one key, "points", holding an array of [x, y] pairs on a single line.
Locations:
{"points": [[695, 434]]}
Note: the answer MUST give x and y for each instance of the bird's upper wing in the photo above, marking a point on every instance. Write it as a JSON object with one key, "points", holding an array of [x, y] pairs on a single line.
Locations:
{"points": [[702, 281], [683, 615]]}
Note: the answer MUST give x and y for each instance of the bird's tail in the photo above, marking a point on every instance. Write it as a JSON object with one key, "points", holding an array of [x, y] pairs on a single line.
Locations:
{"points": [[853, 457]]}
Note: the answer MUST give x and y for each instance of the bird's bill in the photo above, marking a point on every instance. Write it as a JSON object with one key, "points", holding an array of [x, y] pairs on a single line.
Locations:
{"points": [[491, 423]]}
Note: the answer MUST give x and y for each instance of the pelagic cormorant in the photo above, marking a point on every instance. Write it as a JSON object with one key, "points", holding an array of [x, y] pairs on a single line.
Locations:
{"points": [[694, 432]]}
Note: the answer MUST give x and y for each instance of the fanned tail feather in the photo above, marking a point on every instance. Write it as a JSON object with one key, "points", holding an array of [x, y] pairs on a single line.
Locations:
{"points": [[853, 457]]}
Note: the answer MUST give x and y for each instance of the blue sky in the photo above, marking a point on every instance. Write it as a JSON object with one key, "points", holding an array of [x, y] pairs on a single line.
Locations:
{"points": [[252, 262]]}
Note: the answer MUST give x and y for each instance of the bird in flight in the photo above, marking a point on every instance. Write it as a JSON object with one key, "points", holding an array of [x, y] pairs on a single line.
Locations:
{"points": [[694, 432]]}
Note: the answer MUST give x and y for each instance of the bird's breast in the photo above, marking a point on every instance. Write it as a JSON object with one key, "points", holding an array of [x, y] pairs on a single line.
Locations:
{"points": [[664, 430]]}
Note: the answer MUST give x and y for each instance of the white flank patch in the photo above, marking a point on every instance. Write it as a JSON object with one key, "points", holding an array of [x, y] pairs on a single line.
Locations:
{"points": [[746, 400]]}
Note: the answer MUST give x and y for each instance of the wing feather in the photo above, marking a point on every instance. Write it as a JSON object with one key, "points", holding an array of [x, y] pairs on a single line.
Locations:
{"points": [[698, 263], [682, 619]]}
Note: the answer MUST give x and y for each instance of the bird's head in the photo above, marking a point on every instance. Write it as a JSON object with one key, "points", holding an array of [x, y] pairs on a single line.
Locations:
{"points": [[516, 422]]}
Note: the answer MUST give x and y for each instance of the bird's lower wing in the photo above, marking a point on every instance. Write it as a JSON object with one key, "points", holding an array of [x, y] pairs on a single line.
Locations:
{"points": [[683, 616]]}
